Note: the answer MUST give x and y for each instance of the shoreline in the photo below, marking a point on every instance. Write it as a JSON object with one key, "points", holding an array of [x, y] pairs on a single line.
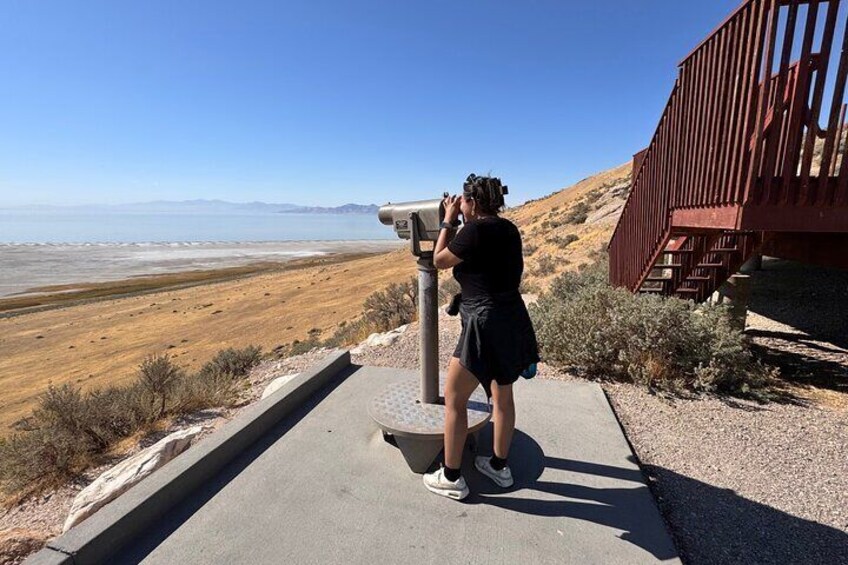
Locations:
{"points": [[33, 271], [51, 297]]}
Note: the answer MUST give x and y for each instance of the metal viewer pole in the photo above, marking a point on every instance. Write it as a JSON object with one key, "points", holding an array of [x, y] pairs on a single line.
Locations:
{"points": [[428, 344]]}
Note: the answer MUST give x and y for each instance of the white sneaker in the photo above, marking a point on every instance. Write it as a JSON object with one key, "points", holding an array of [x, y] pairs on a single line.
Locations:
{"points": [[438, 483], [502, 478]]}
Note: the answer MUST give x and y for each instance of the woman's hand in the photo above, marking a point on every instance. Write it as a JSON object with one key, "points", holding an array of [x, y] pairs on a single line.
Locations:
{"points": [[451, 208]]}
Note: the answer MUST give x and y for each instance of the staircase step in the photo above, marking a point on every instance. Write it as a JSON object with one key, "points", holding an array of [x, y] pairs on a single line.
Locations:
{"points": [[678, 251], [696, 278], [724, 250], [657, 279], [688, 290], [710, 265], [671, 266]]}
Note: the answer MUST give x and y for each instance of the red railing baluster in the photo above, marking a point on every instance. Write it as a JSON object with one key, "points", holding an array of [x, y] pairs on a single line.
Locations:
{"points": [[807, 192]]}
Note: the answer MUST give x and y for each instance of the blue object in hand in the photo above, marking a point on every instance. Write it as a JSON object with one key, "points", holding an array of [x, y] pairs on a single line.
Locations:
{"points": [[529, 372]]}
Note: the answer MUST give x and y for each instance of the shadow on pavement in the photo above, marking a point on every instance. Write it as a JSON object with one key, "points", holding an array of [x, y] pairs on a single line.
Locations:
{"points": [[618, 508], [709, 524]]}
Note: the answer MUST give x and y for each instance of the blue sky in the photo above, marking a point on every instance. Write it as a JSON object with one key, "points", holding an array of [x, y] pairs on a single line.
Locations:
{"points": [[327, 102]]}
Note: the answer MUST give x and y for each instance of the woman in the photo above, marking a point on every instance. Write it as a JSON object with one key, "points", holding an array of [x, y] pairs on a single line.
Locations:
{"points": [[497, 342]]}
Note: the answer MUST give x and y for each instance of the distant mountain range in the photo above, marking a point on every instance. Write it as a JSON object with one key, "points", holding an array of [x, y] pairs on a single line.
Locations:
{"points": [[206, 207]]}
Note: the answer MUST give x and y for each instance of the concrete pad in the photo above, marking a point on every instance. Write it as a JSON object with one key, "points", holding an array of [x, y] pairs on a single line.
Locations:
{"points": [[324, 487]]}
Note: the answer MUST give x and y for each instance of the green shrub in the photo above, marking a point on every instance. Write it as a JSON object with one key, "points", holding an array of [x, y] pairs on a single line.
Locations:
{"points": [[395, 306], [597, 331]]}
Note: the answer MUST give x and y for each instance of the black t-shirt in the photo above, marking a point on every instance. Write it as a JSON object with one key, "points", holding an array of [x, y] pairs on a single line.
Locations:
{"points": [[490, 249]]}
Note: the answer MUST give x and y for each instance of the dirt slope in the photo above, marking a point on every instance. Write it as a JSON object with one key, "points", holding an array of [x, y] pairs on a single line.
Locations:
{"points": [[567, 228]]}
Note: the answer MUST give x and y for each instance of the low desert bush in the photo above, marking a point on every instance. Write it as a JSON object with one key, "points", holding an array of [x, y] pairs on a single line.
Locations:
{"points": [[578, 213], [383, 310], [349, 333], [204, 390], [158, 375], [70, 430], [595, 195], [545, 265], [394, 306], [563, 241], [234, 362], [597, 331]]}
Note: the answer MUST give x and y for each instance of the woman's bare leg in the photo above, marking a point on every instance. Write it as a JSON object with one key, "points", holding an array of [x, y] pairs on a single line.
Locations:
{"points": [[459, 386], [503, 413]]}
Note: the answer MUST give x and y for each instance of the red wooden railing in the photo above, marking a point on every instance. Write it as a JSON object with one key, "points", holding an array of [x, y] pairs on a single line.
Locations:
{"points": [[740, 131]]}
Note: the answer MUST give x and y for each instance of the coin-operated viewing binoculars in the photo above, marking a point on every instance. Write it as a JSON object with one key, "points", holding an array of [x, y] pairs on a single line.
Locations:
{"points": [[416, 221], [410, 416]]}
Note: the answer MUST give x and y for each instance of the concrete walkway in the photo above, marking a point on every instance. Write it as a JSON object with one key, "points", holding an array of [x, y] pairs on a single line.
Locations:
{"points": [[324, 487]]}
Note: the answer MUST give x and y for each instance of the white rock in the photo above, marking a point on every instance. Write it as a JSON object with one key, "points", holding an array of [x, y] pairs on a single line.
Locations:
{"points": [[371, 338], [277, 384], [380, 340], [127, 473]]}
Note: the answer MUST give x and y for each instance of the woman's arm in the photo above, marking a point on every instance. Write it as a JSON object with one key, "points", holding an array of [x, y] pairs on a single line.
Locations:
{"points": [[443, 258]]}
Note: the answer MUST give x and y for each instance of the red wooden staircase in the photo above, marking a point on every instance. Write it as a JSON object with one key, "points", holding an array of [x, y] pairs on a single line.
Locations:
{"points": [[747, 158]]}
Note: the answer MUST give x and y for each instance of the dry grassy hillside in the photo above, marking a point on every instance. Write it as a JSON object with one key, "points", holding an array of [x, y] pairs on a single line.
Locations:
{"points": [[101, 343], [567, 228]]}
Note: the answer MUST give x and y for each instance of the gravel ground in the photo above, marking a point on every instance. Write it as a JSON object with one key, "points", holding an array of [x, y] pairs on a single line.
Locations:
{"points": [[739, 482]]}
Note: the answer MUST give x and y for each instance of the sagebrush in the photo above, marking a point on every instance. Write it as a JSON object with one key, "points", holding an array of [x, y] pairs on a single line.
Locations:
{"points": [[586, 326], [71, 430], [395, 306]]}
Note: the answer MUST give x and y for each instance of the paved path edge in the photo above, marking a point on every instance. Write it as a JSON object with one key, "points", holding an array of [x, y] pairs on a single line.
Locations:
{"points": [[97, 538]]}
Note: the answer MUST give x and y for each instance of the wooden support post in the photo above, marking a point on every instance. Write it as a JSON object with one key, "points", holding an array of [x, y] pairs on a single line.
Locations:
{"points": [[736, 293]]}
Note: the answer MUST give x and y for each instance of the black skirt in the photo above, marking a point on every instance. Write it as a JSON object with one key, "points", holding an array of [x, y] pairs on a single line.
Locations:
{"points": [[497, 340]]}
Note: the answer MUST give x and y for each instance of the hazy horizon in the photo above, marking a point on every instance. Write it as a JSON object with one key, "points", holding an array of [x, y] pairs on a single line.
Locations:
{"points": [[4, 206]]}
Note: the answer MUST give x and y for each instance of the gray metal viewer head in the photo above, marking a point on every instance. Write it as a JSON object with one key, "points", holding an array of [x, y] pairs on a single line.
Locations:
{"points": [[417, 221]]}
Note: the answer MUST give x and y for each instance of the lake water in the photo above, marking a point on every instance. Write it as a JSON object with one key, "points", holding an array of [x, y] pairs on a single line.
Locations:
{"points": [[41, 249], [72, 227]]}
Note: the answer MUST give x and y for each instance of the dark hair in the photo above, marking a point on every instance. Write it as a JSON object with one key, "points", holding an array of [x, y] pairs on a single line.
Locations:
{"points": [[488, 192]]}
